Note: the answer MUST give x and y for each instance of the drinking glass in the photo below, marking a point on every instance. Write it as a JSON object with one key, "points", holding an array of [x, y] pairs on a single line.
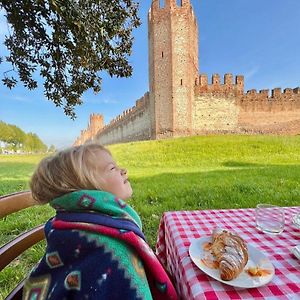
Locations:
{"points": [[269, 218], [296, 220]]}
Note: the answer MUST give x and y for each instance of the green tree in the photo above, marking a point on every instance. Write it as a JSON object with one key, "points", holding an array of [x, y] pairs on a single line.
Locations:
{"points": [[16, 138], [52, 149], [69, 42], [34, 144], [3, 131], [12, 135]]}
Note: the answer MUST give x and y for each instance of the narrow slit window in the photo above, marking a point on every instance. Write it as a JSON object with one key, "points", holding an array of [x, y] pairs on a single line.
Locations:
{"points": [[161, 3], [180, 81], [162, 54]]}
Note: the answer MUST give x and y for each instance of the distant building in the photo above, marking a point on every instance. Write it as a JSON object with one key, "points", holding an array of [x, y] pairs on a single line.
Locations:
{"points": [[182, 102]]}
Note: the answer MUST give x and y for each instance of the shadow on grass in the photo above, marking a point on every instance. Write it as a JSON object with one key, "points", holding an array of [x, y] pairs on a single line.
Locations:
{"points": [[235, 188], [239, 164], [220, 188], [228, 188]]}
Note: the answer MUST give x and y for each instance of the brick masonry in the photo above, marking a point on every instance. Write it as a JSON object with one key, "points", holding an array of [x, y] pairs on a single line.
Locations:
{"points": [[182, 102]]}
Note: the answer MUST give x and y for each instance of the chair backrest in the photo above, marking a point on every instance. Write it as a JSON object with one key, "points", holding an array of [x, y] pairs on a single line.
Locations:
{"points": [[9, 204]]}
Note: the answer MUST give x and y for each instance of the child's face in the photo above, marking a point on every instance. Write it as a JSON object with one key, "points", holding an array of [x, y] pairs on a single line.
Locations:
{"points": [[113, 179]]}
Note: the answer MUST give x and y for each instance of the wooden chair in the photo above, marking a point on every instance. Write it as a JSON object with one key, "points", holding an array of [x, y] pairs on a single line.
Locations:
{"points": [[9, 204]]}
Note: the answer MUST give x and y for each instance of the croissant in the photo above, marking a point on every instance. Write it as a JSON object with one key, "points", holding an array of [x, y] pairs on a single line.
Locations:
{"points": [[230, 252]]}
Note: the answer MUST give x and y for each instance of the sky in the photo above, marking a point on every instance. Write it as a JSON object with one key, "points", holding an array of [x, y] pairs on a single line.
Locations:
{"points": [[259, 39]]}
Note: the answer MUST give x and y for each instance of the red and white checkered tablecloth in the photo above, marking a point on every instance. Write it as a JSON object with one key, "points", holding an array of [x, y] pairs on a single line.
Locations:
{"points": [[178, 228]]}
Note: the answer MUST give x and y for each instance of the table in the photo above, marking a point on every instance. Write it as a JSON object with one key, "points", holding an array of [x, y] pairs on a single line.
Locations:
{"points": [[178, 228]]}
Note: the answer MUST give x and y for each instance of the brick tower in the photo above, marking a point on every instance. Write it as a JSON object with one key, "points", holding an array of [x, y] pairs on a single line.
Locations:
{"points": [[173, 66], [95, 125]]}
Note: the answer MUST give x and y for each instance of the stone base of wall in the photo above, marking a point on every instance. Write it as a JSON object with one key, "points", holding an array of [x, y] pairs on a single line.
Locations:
{"points": [[288, 128], [270, 122], [141, 136]]}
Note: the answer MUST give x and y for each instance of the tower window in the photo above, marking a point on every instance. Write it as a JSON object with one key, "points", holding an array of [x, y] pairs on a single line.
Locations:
{"points": [[180, 81], [161, 3], [162, 54], [179, 2]]}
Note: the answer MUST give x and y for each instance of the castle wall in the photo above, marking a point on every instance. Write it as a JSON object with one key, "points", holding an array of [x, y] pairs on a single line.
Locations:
{"points": [[181, 102], [215, 113], [134, 124], [185, 66], [275, 113], [214, 107], [173, 66], [226, 108], [160, 68], [278, 101], [95, 124], [217, 108]]}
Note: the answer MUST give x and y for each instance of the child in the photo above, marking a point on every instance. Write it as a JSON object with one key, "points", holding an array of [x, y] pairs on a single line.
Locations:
{"points": [[95, 246]]}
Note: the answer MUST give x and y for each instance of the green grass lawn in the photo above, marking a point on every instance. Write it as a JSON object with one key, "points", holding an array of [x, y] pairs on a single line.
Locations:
{"points": [[179, 174]]}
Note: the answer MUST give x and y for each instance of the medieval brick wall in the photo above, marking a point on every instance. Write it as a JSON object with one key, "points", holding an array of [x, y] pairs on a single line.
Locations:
{"points": [[160, 68], [184, 66], [173, 66], [134, 124], [95, 125], [181, 102], [215, 108], [226, 108], [276, 113]]}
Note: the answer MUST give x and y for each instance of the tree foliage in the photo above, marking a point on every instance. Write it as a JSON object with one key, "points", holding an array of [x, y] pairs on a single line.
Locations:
{"points": [[68, 42], [52, 149], [16, 139], [33, 143]]}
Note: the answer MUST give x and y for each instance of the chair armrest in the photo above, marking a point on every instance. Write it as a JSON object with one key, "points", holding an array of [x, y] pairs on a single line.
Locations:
{"points": [[22, 242], [15, 202]]}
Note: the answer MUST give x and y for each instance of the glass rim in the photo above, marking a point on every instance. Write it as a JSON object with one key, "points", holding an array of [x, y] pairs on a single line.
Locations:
{"points": [[267, 205]]}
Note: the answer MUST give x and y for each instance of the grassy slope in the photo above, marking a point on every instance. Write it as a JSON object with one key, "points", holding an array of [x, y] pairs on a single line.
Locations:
{"points": [[210, 172], [178, 174]]}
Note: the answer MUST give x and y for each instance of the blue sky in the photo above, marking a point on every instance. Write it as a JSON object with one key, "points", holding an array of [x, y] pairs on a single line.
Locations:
{"points": [[255, 38]]}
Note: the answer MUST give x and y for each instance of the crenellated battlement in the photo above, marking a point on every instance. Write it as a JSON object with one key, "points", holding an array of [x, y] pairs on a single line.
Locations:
{"points": [[275, 100], [202, 86], [296, 90], [96, 123], [140, 104], [160, 7], [167, 4], [248, 99], [183, 102], [287, 93]]}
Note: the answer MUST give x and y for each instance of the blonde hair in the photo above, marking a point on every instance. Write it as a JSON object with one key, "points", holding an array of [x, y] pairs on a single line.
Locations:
{"points": [[68, 170]]}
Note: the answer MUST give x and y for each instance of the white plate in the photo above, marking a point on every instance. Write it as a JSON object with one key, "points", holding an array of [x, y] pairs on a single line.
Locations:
{"points": [[244, 280]]}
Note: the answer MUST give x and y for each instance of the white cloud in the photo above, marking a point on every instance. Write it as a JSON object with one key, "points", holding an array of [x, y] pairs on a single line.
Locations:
{"points": [[100, 101], [250, 73], [18, 98], [21, 98], [109, 101]]}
